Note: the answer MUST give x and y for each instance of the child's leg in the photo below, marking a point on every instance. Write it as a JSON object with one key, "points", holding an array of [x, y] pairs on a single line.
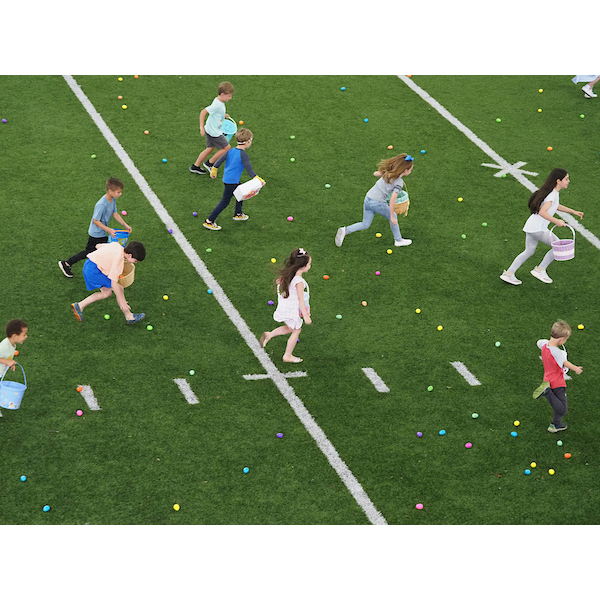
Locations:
{"points": [[531, 242], [368, 215], [91, 246], [290, 346], [383, 209], [557, 399], [225, 200], [101, 295], [238, 207], [220, 153], [547, 238], [203, 156], [267, 335]]}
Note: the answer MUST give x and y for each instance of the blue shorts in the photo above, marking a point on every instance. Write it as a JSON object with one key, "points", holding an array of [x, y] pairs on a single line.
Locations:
{"points": [[94, 278]]}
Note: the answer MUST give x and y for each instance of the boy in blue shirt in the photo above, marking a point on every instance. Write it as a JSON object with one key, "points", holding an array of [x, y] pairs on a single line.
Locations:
{"points": [[236, 161], [213, 129], [105, 208]]}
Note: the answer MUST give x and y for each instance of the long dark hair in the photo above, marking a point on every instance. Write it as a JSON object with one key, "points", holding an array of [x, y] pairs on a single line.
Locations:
{"points": [[536, 199], [296, 260]]}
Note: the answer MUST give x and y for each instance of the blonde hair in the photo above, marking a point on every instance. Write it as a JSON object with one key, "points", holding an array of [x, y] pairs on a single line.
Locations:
{"points": [[560, 329], [243, 135], [392, 168], [225, 88]]}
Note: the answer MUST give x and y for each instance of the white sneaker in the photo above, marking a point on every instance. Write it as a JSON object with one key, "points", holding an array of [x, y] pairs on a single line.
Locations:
{"points": [[588, 91], [403, 242], [541, 275], [339, 236], [510, 278]]}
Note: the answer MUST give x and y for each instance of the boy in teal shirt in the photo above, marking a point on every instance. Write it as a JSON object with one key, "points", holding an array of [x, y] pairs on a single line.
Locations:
{"points": [[212, 130], [105, 208], [16, 333]]}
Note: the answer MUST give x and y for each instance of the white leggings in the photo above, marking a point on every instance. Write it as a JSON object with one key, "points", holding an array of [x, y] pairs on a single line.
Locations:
{"points": [[531, 242]]}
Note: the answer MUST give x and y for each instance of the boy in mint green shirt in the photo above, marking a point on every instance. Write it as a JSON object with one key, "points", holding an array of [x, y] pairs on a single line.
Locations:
{"points": [[16, 333]]}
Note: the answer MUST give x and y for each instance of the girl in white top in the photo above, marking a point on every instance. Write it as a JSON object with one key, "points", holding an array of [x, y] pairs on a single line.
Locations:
{"points": [[543, 203], [292, 302]]}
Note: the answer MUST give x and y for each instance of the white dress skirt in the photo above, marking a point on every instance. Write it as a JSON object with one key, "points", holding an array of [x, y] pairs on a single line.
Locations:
{"points": [[288, 309]]}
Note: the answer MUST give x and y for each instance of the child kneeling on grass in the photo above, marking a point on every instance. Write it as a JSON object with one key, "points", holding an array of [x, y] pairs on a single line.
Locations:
{"points": [[102, 269], [555, 361]]}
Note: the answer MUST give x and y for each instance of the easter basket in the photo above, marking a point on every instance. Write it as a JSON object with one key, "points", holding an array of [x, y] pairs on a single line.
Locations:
{"points": [[564, 249], [126, 277], [402, 204]]}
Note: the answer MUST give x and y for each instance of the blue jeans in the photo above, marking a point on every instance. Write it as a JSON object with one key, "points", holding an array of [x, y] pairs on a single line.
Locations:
{"points": [[370, 208]]}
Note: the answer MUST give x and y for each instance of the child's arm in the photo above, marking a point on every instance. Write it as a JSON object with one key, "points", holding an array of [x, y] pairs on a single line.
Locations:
{"points": [[572, 367], [119, 218], [571, 211], [9, 361], [203, 114], [393, 218], [377, 174], [300, 292], [108, 230], [544, 213], [217, 164]]}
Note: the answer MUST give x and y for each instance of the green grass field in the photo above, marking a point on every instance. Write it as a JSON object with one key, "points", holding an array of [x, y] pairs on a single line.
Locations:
{"points": [[147, 448]]}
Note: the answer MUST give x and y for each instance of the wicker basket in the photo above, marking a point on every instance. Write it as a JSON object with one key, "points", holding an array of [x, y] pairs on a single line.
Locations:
{"points": [[126, 277]]}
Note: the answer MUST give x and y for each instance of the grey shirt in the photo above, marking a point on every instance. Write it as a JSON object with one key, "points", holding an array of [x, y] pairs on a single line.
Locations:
{"points": [[381, 191]]}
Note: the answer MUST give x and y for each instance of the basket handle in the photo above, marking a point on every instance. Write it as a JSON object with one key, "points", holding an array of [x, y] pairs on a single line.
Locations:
{"points": [[8, 368], [572, 230]]}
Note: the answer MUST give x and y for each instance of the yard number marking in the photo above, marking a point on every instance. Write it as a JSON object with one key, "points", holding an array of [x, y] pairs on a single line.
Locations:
{"points": [[88, 395], [186, 390], [376, 380]]}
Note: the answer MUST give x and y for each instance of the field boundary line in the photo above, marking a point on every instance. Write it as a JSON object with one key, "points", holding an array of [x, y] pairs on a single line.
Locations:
{"points": [[588, 235], [323, 443]]}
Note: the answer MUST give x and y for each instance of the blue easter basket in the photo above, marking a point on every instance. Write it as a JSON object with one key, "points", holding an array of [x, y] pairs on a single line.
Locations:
{"points": [[121, 236], [11, 392], [229, 128]]}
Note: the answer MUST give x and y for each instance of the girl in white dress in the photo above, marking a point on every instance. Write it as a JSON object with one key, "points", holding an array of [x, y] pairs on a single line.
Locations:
{"points": [[292, 302], [543, 203]]}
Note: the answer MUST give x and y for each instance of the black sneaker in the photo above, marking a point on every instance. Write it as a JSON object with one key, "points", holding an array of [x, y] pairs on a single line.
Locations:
{"points": [[197, 170], [207, 167], [65, 268]]}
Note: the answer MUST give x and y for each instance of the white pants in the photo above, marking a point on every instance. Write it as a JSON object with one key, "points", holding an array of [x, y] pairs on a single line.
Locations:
{"points": [[531, 242]]}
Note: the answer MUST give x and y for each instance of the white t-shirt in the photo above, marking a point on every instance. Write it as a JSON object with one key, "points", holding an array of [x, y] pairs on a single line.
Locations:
{"points": [[536, 222], [7, 350], [214, 121]]}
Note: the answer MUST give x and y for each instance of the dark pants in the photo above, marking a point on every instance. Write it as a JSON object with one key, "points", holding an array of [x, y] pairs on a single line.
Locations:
{"points": [[91, 246], [557, 397], [225, 200]]}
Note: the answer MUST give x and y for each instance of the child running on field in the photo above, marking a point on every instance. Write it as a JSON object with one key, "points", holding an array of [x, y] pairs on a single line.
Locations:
{"points": [[543, 203], [16, 333], [213, 129], [381, 198], [293, 298], [556, 365], [105, 208], [102, 269], [236, 161]]}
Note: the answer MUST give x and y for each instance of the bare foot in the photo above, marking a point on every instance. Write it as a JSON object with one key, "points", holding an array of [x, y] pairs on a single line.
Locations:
{"points": [[291, 359], [264, 338]]}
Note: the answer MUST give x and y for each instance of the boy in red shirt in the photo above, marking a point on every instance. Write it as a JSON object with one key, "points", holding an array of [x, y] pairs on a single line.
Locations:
{"points": [[555, 361]]}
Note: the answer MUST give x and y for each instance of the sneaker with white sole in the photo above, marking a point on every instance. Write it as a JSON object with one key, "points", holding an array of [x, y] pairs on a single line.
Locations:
{"points": [[197, 170], [207, 167], [403, 242], [552, 428], [65, 268], [541, 275], [212, 226], [510, 278], [588, 91], [339, 236], [241, 217]]}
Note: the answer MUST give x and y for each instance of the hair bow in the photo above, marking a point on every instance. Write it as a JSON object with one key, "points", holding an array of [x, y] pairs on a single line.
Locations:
{"points": [[409, 157], [301, 251]]}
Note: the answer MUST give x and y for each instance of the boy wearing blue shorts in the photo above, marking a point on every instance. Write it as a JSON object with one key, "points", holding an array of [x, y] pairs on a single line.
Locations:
{"points": [[213, 130], [98, 230], [102, 270]]}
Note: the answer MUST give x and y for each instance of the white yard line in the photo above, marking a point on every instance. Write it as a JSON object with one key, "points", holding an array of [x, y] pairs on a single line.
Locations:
{"points": [[471, 379], [503, 164], [187, 391], [375, 380], [279, 379], [88, 395], [256, 376]]}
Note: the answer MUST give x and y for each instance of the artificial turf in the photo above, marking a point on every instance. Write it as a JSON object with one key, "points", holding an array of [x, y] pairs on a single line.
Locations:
{"points": [[147, 449]]}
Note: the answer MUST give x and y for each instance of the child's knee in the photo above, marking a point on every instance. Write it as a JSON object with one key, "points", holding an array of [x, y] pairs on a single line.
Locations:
{"points": [[106, 293]]}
